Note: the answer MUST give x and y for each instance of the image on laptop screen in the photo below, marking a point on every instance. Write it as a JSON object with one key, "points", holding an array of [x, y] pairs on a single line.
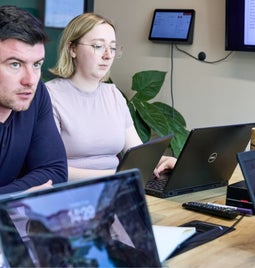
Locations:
{"points": [[83, 224]]}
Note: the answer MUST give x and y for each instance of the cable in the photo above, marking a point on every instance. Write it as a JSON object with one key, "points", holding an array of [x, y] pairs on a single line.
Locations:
{"points": [[171, 79], [200, 58], [195, 58]]}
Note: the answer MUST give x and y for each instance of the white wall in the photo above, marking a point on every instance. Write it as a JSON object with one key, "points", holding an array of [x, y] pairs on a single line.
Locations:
{"points": [[206, 94]]}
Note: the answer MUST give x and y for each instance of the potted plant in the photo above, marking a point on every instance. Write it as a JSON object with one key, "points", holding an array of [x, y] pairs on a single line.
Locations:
{"points": [[155, 117]]}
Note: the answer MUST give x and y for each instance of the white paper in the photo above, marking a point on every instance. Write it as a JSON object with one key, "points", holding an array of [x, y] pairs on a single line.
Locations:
{"points": [[168, 238]]}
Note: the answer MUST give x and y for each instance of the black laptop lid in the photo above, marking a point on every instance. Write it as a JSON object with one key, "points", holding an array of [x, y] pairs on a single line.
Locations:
{"points": [[80, 224], [247, 164], [208, 158], [145, 157]]}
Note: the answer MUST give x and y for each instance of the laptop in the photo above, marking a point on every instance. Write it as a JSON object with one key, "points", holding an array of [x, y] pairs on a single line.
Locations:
{"points": [[145, 157], [80, 224], [206, 161], [246, 162]]}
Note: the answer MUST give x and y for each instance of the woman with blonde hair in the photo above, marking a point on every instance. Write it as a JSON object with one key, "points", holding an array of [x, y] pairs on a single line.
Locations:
{"points": [[92, 116]]}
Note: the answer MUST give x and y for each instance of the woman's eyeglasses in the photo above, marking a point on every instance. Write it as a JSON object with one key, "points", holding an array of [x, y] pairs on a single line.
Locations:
{"points": [[100, 49]]}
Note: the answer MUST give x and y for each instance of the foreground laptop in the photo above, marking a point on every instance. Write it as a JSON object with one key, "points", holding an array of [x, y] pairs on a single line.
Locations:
{"points": [[145, 157], [207, 161], [102, 222]]}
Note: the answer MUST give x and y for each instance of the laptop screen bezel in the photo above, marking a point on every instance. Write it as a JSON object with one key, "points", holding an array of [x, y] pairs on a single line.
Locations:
{"points": [[123, 176]]}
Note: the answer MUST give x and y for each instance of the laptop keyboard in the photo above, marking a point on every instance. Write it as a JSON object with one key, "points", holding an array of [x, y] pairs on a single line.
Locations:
{"points": [[156, 184]]}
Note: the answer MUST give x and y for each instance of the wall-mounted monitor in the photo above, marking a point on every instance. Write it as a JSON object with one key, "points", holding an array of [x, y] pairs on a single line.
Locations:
{"points": [[57, 13], [173, 26], [240, 25]]}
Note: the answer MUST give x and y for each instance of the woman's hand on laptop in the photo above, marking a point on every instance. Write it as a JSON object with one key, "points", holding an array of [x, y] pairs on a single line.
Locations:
{"points": [[166, 162]]}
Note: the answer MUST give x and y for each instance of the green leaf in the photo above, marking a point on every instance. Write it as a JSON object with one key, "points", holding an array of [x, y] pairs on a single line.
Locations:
{"points": [[177, 126], [153, 117], [142, 128], [170, 112], [179, 139], [147, 84], [177, 144]]}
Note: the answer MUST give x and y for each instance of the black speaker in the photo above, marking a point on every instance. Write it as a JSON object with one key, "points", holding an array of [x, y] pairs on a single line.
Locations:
{"points": [[238, 196]]}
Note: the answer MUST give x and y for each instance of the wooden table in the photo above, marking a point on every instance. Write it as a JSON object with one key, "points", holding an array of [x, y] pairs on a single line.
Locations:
{"points": [[235, 249]]}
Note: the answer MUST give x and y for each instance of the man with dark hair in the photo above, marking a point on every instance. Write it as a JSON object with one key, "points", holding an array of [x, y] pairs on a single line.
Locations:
{"points": [[32, 153]]}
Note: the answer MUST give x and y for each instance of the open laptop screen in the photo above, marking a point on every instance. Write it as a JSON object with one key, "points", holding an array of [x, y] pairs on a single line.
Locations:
{"points": [[246, 161], [94, 223]]}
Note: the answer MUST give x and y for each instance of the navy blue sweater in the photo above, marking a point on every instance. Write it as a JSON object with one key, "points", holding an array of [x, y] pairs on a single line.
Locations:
{"points": [[32, 151]]}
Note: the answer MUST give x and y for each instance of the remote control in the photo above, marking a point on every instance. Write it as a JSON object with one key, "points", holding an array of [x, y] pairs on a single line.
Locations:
{"points": [[216, 210]]}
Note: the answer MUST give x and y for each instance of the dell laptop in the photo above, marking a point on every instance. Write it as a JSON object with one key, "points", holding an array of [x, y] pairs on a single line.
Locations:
{"points": [[207, 161], [80, 224]]}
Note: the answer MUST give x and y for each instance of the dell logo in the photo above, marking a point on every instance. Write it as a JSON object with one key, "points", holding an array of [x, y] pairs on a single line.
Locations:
{"points": [[212, 157]]}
